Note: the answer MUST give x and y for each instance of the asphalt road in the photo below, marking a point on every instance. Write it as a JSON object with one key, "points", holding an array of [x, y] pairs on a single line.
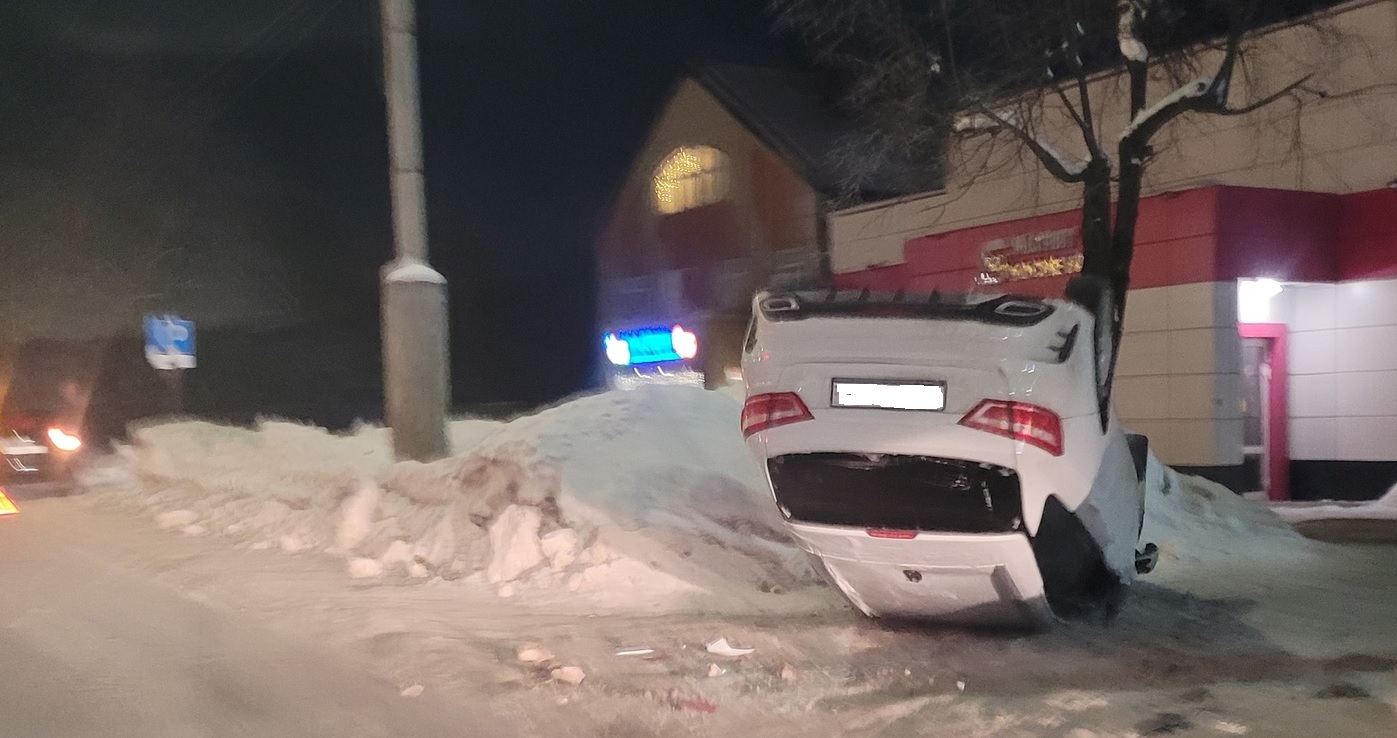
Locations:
{"points": [[88, 648]]}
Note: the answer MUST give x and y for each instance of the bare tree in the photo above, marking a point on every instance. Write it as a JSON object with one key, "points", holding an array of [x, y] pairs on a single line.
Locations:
{"points": [[1046, 76]]}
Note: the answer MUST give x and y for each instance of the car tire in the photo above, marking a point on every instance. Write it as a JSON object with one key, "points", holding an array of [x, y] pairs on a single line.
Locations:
{"points": [[1094, 293], [1076, 580]]}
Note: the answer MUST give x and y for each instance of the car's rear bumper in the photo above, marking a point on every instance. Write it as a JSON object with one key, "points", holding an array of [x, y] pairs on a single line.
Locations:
{"points": [[973, 579]]}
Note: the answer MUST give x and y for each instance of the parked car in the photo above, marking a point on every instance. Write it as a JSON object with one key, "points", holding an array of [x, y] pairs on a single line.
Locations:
{"points": [[42, 412], [949, 457], [37, 450]]}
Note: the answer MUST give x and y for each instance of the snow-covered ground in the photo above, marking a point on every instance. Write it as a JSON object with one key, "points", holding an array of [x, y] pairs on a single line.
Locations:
{"points": [[1383, 508], [649, 494], [636, 520]]}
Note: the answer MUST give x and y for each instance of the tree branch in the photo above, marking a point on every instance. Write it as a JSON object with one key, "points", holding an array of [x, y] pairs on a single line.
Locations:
{"points": [[1051, 160], [1085, 98], [1263, 102], [1084, 121], [1192, 96], [1222, 80]]}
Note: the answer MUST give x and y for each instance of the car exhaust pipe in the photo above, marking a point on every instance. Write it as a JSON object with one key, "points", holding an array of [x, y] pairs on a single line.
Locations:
{"points": [[1147, 559]]}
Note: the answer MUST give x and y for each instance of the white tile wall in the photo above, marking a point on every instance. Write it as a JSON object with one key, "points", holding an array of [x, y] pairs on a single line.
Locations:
{"points": [[1343, 365], [1191, 351], [1147, 310], [1366, 439], [1312, 438], [1194, 443], [1227, 350], [1191, 396], [1160, 432], [1178, 374], [1143, 354], [1282, 307], [1312, 352], [1364, 393], [1225, 305], [1227, 442], [1142, 398], [1191, 305], [1314, 307], [1367, 303], [1227, 397], [1313, 395], [1373, 348]]}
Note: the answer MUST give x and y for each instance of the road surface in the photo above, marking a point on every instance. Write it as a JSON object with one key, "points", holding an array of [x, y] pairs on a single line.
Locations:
{"points": [[112, 627], [90, 648]]}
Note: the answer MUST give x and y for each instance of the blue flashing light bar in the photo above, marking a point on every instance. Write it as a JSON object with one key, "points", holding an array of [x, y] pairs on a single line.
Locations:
{"points": [[650, 345]]}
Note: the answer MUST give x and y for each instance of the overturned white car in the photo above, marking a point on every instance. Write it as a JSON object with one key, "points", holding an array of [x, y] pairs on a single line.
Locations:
{"points": [[950, 458]]}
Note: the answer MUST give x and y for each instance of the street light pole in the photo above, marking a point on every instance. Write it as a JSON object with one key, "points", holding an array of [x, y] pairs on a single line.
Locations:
{"points": [[416, 384]]}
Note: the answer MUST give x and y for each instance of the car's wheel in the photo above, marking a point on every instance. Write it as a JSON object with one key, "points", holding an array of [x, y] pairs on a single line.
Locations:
{"points": [[1094, 293], [1076, 580]]}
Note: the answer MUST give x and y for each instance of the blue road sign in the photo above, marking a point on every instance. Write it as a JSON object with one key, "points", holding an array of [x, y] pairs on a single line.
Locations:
{"points": [[169, 342]]}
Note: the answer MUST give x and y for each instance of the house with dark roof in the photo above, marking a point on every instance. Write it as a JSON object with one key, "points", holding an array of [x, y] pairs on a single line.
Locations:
{"points": [[728, 194]]}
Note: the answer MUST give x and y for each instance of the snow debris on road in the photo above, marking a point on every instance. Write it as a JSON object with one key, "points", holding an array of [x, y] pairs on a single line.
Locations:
{"points": [[1383, 508], [365, 568], [721, 647], [619, 500], [532, 653], [176, 519], [568, 675]]}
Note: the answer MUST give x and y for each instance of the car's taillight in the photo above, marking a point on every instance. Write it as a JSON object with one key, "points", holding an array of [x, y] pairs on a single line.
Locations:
{"points": [[762, 412], [1019, 421], [897, 535]]}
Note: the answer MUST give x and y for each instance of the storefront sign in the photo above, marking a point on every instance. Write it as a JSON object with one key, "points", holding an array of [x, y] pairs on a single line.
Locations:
{"points": [[1030, 256]]}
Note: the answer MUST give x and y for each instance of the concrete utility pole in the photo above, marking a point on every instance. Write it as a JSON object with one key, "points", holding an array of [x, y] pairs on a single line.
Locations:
{"points": [[416, 382]]}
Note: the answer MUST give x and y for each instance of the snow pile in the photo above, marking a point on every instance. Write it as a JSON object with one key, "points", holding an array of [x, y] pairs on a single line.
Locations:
{"points": [[1193, 519], [633, 498], [286, 462], [645, 498]]}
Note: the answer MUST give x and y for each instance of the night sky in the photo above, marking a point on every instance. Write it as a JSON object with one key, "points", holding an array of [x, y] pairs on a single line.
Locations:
{"points": [[532, 110]]}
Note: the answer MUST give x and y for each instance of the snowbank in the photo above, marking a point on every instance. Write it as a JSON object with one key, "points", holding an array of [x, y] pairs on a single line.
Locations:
{"points": [[1193, 519], [623, 499], [642, 499]]}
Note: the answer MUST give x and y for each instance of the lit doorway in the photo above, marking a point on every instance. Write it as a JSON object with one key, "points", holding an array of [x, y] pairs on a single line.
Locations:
{"points": [[1265, 417]]}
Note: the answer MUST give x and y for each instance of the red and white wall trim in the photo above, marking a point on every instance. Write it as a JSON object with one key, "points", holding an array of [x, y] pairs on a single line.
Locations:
{"points": [[1334, 258]]}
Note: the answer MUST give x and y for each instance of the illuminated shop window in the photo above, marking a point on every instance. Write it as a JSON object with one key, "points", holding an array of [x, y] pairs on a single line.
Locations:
{"points": [[689, 177]]}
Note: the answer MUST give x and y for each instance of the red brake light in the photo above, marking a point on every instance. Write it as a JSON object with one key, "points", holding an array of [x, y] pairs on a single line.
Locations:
{"points": [[1020, 421], [763, 412], [897, 535]]}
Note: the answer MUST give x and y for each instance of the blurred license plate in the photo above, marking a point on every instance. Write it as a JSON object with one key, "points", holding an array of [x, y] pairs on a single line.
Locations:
{"points": [[889, 395]]}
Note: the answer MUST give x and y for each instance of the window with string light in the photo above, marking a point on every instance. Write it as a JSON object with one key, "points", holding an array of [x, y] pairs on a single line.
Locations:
{"points": [[690, 177]]}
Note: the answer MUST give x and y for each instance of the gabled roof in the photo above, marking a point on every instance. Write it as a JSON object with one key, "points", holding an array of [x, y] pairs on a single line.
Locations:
{"points": [[835, 154]]}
